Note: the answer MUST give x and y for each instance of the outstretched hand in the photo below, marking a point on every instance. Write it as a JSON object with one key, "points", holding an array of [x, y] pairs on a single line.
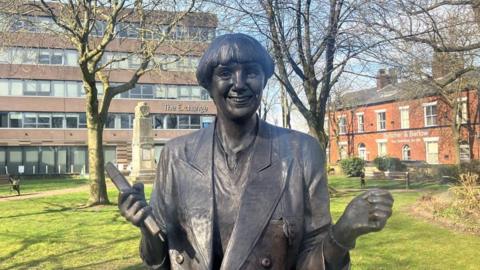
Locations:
{"points": [[366, 213], [133, 205]]}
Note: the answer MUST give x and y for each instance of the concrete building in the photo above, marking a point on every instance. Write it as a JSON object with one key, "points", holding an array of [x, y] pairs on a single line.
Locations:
{"points": [[406, 120], [42, 108]]}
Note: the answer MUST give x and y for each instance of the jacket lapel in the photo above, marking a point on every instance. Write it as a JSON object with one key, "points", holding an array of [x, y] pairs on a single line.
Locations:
{"points": [[260, 197], [197, 192]]}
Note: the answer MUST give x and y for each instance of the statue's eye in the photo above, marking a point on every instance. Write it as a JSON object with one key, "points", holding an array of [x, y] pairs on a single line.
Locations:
{"points": [[224, 73]]}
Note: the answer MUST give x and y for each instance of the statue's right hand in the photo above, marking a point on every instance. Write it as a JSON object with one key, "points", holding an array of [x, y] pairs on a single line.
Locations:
{"points": [[133, 205]]}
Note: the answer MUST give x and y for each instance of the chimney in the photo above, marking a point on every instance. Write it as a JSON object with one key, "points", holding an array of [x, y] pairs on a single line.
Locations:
{"points": [[383, 79]]}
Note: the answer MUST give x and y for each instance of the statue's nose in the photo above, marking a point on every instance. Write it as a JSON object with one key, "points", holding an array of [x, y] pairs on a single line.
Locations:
{"points": [[239, 80]]}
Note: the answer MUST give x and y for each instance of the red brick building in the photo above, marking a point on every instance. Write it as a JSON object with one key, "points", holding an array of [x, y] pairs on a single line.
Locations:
{"points": [[42, 104], [405, 120]]}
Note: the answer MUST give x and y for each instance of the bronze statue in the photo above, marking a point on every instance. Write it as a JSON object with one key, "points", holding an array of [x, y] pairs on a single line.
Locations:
{"points": [[243, 194]]}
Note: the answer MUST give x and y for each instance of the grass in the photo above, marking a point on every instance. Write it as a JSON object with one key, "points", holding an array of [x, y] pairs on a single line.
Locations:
{"points": [[33, 185], [342, 182], [57, 233]]}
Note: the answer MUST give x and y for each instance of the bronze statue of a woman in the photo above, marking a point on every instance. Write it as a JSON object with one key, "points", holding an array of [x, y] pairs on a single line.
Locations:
{"points": [[244, 194]]}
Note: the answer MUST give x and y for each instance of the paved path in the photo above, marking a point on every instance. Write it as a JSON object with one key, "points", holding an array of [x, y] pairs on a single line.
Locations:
{"points": [[41, 194]]}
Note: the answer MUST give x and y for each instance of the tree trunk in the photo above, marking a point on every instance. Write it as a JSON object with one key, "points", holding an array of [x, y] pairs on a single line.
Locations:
{"points": [[285, 108], [98, 188]]}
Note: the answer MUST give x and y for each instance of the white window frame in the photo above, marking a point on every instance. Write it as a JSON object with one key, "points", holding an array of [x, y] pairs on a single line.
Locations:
{"points": [[379, 143], [432, 116], [360, 124], [462, 114], [429, 158], [380, 121], [343, 145], [404, 151], [466, 149], [404, 119], [362, 150], [342, 129]]}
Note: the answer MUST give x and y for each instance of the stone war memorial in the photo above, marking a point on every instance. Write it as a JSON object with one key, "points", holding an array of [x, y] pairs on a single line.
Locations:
{"points": [[241, 193], [143, 159]]}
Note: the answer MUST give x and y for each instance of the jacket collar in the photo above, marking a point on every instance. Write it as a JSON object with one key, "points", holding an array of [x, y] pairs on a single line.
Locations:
{"points": [[201, 157]]}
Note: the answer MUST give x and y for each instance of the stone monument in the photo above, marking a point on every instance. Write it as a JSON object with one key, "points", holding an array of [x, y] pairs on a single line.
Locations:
{"points": [[143, 159]]}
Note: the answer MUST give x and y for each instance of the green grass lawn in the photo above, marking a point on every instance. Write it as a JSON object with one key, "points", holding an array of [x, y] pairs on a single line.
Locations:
{"points": [[56, 233], [342, 182], [32, 185]]}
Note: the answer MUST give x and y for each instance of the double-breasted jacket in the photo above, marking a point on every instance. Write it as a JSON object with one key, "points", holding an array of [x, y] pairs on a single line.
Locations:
{"points": [[284, 213]]}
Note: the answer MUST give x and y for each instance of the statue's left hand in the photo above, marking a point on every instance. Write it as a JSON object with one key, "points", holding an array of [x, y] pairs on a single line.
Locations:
{"points": [[368, 212]]}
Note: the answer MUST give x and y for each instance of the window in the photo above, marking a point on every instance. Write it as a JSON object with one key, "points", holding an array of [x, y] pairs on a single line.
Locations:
{"points": [[381, 120], [362, 151], [464, 151], [15, 120], [462, 113], [171, 121], [58, 120], [382, 147], [404, 117], [125, 121], [430, 112], [158, 121], [72, 120], [343, 150], [43, 120], [30, 120], [342, 125], [431, 150], [360, 122], [406, 154], [3, 119], [4, 89]]}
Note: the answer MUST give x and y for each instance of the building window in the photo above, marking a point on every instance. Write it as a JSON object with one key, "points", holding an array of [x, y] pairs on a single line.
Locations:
{"points": [[360, 122], [430, 111], [462, 111], [464, 153], [362, 151], [404, 117], [406, 154], [382, 148], [431, 150], [381, 120], [343, 150], [342, 125]]}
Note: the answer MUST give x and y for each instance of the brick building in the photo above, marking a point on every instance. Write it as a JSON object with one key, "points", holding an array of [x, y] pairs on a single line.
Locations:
{"points": [[406, 120], [42, 104]]}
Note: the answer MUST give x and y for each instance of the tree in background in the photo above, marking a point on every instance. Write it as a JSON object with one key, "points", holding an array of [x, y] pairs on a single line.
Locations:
{"points": [[92, 27], [435, 44], [312, 43]]}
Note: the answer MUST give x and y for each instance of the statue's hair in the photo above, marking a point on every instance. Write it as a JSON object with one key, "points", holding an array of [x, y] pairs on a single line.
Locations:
{"points": [[228, 48]]}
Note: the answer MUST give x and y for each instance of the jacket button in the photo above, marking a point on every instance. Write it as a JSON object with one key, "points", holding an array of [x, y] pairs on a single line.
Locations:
{"points": [[179, 259], [266, 262]]}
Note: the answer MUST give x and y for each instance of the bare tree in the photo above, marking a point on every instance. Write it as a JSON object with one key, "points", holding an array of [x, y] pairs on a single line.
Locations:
{"points": [[312, 43], [92, 27], [436, 45]]}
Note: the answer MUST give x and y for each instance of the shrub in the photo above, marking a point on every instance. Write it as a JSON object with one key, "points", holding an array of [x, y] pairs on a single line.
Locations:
{"points": [[352, 166], [446, 171], [472, 167], [389, 164]]}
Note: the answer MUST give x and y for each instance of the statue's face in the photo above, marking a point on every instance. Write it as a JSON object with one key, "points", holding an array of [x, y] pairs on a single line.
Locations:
{"points": [[236, 89]]}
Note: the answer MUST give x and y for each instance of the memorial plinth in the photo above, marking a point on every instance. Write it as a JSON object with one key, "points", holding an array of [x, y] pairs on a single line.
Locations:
{"points": [[143, 159]]}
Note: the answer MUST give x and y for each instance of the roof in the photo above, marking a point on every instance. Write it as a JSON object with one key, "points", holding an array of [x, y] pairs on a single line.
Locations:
{"points": [[406, 90]]}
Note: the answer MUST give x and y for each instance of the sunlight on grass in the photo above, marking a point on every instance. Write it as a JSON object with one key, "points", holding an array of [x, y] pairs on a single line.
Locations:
{"points": [[57, 233]]}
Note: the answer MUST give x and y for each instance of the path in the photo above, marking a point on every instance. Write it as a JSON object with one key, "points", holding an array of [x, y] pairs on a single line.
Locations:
{"points": [[46, 193]]}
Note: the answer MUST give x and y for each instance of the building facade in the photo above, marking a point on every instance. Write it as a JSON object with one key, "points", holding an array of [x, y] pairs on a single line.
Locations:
{"points": [[404, 120], [42, 103]]}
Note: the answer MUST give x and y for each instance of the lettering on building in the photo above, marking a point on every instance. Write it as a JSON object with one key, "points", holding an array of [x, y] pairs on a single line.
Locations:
{"points": [[186, 108]]}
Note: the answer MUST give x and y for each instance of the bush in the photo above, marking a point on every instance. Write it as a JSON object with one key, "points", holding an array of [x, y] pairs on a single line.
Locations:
{"points": [[352, 166], [446, 171], [472, 167], [389, 164]]}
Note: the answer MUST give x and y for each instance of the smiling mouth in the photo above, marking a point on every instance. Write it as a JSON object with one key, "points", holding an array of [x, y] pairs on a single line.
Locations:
{"points": [[240, 100]]}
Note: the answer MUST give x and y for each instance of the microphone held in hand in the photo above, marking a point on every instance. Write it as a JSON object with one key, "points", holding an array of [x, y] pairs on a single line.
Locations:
{"points": [[123, 185]]}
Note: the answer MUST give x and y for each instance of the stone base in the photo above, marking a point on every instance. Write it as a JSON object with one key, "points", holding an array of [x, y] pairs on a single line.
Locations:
{"points": [[144, 177]]}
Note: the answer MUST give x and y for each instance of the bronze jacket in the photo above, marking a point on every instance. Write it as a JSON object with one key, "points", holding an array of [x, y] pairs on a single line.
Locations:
{"points": [[284, 213]]}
